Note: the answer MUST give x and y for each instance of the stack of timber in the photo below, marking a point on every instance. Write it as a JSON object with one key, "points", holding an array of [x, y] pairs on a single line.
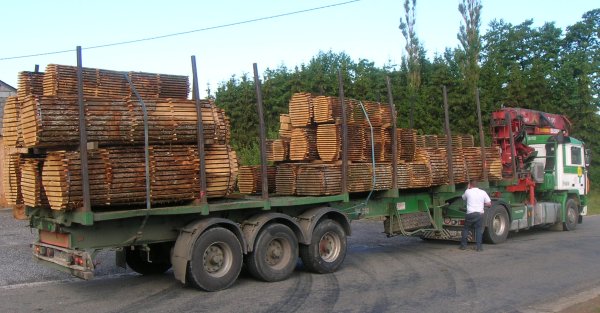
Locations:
{"points": [[363, 177], [250, 179], [31, 183], [61, 80], [494, 163], [45, 117], [285, 179], [303, 145], [278, 150], [285, 127], [30, 83], [49, 121], [11, 132], [438, 161], [474, 162], [11, 178], [319, 179], [117, 175], [315, 138], [329, 142], [408, 141], [431, 141], [301, 109]]}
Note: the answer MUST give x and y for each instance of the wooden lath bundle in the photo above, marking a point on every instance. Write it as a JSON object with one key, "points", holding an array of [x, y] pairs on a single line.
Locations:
{"points": [[285, 127], [431, 141], [360, 177], [439, 165], [494, 162], [11, 178], [278, 150], [11, 132], [301, 109], [474, 162], [329, 142], [30, 83], [318, 179], [53, 121], [420, 174], [249, 179], [408, 142], [458, 165], [442, 141], [117, 175], [467, 141], [403, 175], [303, 145], [378, 114], [359, 143], [285, 179], [61, 80], [31, 183], [327, 109], [420, 141]]}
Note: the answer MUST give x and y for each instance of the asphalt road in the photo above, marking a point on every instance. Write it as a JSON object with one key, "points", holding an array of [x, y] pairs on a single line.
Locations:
{"points": [[535, 271]]}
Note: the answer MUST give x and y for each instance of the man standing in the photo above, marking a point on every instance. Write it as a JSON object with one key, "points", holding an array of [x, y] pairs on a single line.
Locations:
{"points": [[476, 200]]}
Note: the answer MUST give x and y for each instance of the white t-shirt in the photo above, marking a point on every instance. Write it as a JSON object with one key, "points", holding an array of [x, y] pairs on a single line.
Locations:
{"points": [[476, 199]]}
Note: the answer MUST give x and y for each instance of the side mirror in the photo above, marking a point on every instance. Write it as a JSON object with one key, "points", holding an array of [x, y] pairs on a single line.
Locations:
{"points": [[588, 157]]}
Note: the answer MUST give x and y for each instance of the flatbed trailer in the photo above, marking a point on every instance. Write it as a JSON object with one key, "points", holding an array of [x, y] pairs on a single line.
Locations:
{"points": [[206, 242]]}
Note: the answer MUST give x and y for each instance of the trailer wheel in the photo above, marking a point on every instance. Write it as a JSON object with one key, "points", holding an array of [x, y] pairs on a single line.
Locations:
{"points": [[275, 253], [216, 260], [327, 249], [156, 263], [496, 225], [572, 216]]}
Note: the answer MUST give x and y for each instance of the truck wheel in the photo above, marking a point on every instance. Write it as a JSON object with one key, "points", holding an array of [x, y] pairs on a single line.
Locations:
{"points": [[158, 263], [327, 249], [496, 225], [216, 260], [275, 253], [572, 216]]}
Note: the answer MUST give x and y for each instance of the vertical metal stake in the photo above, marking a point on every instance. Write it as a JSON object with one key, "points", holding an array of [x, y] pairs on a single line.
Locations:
{"points": [[394, 135], [85, 180], [344, 136], [200, 135], [481, 137], [448, 138], [263, 136], [512, 144]]}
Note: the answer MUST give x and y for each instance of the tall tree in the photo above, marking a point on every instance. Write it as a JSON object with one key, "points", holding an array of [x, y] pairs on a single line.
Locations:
{"points": [[470, 41], [407, 26]]}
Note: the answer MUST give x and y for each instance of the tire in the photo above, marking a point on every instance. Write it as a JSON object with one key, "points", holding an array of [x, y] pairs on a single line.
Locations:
{"points": [[216, 260], [275, 253], [327, 249], [137, 259], [571, 215], [496, 225]]}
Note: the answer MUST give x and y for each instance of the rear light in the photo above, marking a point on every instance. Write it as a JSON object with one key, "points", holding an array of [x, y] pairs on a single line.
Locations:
{"points": [[78, 260]]}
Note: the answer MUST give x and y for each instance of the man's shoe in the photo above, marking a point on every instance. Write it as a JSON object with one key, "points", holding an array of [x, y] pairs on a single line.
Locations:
{"points": [[462, 248], [480, 249]]}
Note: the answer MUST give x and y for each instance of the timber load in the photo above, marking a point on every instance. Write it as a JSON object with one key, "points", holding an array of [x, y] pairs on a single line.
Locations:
{"points": [[43, 120], [312, 166]]}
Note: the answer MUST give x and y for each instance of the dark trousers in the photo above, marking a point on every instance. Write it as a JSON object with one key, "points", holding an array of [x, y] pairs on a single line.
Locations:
{"points": [[472, 221]]}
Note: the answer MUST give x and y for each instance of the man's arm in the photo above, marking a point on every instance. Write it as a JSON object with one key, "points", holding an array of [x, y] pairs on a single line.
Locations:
{"points": [[487, 201]]}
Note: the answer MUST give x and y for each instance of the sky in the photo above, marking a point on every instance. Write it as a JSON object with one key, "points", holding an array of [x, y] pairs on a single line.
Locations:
{"points": [[364, 29]]}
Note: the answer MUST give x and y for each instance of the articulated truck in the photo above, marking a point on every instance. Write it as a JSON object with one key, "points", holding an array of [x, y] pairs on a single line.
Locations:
{"points": [[543, 183]]}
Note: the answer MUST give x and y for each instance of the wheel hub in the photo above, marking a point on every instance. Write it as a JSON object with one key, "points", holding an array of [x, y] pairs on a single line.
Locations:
{"points": [[214, 258], [329, 246], [274, 252]]}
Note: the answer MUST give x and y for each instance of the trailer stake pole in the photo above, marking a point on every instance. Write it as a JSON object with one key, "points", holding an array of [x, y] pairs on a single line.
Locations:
{"points": [[448, 138], [83, 151], [263, 135], [394, 135], [344, 135], [481, 138], [200, 136]]}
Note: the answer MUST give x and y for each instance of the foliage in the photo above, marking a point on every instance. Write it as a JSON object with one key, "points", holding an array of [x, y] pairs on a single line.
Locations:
{"points": [[541, 68], [413, 64]]}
